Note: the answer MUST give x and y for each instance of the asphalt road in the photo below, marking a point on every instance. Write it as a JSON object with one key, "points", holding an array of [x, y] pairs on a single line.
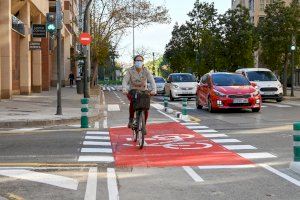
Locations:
{"points": [[58, 162]]}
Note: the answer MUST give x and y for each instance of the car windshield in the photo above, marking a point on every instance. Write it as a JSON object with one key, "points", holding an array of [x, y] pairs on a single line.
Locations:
{"points": [[261, 76], [229, 80], [159, 80], [183, 78]]}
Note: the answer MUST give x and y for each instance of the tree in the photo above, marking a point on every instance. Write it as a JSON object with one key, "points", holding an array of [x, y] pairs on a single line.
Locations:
{"points": [[275, 32]]}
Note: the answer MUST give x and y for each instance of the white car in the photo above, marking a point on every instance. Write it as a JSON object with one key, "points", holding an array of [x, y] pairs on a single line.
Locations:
{"points": [[181, 85], [266, 81], [160, 84]]}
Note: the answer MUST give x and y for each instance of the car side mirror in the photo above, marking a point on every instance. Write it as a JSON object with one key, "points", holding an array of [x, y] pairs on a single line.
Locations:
{"points": [[253, 84]]}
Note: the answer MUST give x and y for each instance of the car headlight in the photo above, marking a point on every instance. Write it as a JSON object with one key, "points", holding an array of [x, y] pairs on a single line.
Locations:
{"points": [[175, 86], [254, 94], [220, 94]]}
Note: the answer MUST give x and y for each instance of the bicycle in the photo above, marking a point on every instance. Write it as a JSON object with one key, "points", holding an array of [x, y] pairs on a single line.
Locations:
{"points": [[141, 104]]}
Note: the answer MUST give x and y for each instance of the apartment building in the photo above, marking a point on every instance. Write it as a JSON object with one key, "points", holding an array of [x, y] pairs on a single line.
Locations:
{"points": [[256, 7], [24, 71]]}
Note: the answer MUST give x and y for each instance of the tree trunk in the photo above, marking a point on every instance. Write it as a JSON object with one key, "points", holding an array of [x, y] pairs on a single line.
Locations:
{"points": [[285, 69], [94, 81]]}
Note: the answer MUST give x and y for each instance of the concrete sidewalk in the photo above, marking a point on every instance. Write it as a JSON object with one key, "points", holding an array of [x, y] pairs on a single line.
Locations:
{"points": [[40, 109], [296, 93]]}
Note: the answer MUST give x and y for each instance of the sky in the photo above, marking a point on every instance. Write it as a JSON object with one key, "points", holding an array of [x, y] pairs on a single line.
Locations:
{"points": [[155, 37]]}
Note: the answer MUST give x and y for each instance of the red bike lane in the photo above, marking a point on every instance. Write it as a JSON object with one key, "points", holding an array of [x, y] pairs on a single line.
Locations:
{"points": [[170, 144]]}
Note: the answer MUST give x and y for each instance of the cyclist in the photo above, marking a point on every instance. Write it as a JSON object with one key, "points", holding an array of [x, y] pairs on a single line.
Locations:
{"points": [[136, 78]]}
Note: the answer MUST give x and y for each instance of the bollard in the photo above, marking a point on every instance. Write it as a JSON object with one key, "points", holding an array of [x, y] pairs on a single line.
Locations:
{"points": [[184, 105], [295, 165], [166, 101], [84, 113]]}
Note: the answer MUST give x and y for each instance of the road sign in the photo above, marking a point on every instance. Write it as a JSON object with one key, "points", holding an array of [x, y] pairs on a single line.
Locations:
{"points": [[175, 145], [35, 45], [85, 39], [39, 30]]}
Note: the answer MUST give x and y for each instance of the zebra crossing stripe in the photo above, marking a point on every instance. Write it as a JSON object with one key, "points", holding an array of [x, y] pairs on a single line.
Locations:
{"points": [[196, 127], [214, 135], [97, 138], [107, 159], [96, 143], [259, 155], [205, 131], [96, 150], [239, 147], [225, 140], [189, 124], [97, 133]]}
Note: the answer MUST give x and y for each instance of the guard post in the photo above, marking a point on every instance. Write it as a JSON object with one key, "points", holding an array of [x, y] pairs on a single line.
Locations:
{"points": [[84, 113], [295, 165]]}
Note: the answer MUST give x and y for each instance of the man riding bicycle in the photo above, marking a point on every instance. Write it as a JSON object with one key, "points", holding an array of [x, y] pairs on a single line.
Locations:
{"points": [[136, 78]]}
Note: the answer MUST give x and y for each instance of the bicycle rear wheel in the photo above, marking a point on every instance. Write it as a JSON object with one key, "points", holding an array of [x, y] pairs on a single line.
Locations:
{"points": [[134, 131], [141, 128]]}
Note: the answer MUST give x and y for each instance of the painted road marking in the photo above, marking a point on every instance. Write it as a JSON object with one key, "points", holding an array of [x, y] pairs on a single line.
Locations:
{"points": [[97, 137], [190, 124], [227, 167], [96, 143], [193, 174], [113, 88], [196, 127], [105, 123], [96, 150], [91, 186], [25, 129], [257, 155], [225, 140], [282, 175], [157, 106], [239, 147], [108, 89], [96, 159], [113, 107], [278, 105], [97, 133], [175, 120], [97, 125], [112, 186], [205, 131], [50, 179], [214, 135]]}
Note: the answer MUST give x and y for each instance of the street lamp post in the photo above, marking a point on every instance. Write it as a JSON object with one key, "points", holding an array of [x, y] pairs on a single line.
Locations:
{"points": [[133, 26], [293, 48]]}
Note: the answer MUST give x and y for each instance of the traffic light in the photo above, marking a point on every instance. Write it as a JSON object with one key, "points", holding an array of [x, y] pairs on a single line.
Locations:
{"points": [[51, 23]]}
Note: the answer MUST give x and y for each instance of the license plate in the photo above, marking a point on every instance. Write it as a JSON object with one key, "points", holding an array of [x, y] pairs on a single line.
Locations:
{"points": [[186, 92], [269, 93], [240, 101]]}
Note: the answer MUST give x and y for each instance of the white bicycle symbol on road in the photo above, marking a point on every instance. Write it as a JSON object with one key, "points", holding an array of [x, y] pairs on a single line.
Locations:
{"points": [[175, 141]]}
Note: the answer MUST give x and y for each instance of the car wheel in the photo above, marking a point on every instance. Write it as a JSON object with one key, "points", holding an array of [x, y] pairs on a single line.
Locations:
{"points": [[171, 96], [198, 106], [209, 105], [279, 100], [255, 109]]}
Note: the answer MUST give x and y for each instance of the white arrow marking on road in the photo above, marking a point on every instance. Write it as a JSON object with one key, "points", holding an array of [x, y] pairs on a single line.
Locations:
{"points": [[112, 184], [50, 179], [91, 186]]}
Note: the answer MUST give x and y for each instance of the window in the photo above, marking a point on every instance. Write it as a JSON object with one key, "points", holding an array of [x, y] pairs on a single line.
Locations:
{"points": [[183, 78], [159, 80], [229, 80], [261, 76]]}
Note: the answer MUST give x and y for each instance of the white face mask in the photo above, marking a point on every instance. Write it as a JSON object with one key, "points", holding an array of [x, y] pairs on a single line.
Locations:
{"points": [[138, 64]]}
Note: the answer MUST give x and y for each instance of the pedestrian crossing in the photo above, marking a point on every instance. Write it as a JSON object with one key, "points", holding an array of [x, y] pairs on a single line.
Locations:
{"points": [[96, 147], [227, 142], [111, 88]]}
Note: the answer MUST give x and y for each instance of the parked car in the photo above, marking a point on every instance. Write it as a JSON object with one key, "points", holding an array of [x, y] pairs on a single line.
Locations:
{"points": [[218, 91], [181, 85], [266, 81], [160, 84]]}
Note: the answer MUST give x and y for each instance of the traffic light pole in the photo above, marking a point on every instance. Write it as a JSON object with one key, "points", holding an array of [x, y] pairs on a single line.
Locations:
{"points": [[58, 54]]}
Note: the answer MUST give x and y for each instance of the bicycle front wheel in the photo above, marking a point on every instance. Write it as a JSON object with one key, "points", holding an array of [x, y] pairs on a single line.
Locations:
{"points": [[141, 129]]}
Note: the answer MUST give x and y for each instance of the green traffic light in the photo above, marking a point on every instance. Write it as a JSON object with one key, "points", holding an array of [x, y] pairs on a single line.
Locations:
{"points": [[51, 27]]}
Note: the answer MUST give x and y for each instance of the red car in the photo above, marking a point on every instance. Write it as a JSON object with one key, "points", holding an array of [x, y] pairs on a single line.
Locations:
{"points": [[218, 91]]}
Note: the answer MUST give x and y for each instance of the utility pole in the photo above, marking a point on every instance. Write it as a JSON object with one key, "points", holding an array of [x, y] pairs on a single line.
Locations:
{"points": [[293, 48], [85, 67], [133, 26], [58, 54], [153, 63]]}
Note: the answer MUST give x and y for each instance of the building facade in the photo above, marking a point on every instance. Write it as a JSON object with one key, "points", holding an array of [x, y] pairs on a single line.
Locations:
{"points": [[24, 71]]}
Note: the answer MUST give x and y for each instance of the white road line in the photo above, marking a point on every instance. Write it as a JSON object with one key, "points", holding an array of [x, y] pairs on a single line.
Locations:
{"points": [[190, 124], [91, 185], [108, 89], [193, 174], [97, 125], [157, 106], [225, 140], [175, 120], [113, 107], [257, 155], [282, 175], [96, 150], [105, 123], [112, 186], [196, 127], [239, 147], [97, 137], [97, 133], [214, 135], [25, 129], [96, 143], [205, 131], [113, 88], [227, 167], [106, 159], [50, 179], [75, 125], [278, 105], [264, 106]]}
